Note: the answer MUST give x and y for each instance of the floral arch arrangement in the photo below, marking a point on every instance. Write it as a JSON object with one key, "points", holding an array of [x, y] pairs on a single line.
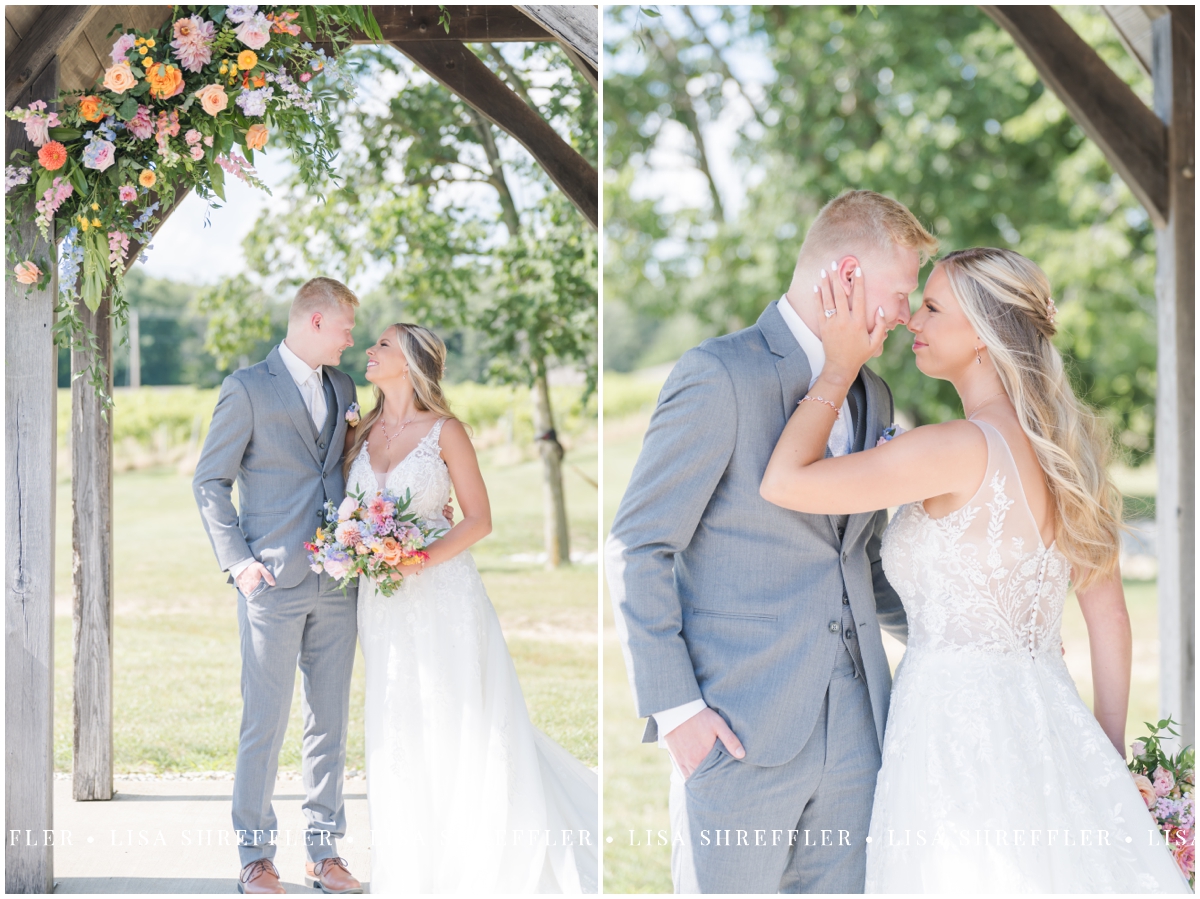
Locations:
{"points": [[169, 115]]}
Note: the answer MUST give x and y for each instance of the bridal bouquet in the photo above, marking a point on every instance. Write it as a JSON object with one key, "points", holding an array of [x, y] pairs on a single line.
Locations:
{"points": [[1168, 785], [371, 537]]}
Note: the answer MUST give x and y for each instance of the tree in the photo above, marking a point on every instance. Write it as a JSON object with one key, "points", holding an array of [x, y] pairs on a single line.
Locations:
{"points": [[460, 227], [933, 106]]}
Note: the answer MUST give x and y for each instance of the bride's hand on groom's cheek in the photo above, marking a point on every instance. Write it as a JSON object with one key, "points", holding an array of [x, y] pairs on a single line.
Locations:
{"points": [[849, 334], [692, 741]]}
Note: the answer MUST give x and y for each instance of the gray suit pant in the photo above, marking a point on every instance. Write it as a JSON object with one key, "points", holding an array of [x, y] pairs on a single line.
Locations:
{"points": [[315, 625], [799, 827]]}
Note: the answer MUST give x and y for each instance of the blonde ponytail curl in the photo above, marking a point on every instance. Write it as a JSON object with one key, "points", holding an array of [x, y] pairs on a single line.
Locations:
{"points": [[1007, 299]]}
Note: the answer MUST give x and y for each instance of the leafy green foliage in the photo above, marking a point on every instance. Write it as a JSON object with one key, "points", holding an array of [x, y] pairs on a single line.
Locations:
{"points": [[934, 106]]}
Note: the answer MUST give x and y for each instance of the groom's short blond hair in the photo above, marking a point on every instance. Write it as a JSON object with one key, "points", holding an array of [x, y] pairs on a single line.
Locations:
{"points": [[320, 295], [861, 220]]}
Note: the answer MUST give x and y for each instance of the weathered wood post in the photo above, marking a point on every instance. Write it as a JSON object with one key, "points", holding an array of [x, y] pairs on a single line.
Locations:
{"points": [[1175, 423], [30, 414], [92, 553]]}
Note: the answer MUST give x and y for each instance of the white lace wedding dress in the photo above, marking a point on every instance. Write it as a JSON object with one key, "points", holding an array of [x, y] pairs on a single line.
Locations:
{"points": [[465, 794], [995, 776]]}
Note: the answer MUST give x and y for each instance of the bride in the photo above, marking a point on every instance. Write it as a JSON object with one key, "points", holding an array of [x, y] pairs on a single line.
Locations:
{"points": [[995, 775], [464, 794]]}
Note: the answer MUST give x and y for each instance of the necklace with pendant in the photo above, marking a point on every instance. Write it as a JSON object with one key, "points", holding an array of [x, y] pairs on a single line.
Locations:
{"points": [[388, 438]]}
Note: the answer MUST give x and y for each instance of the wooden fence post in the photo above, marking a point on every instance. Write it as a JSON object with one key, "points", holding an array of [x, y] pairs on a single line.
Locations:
{"points": [[92, 549], [30, 417], [1175, 426]]}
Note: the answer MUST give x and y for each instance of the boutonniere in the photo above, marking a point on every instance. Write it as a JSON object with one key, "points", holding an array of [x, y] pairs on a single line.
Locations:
{"points": [[352, 416], [891, 432]]}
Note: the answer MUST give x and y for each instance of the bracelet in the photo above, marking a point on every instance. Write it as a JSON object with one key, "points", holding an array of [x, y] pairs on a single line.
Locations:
{"points": [[820, 399]]}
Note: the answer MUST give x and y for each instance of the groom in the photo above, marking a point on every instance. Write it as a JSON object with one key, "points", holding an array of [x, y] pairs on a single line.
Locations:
{"points": [[752, 633], [278, 430]]}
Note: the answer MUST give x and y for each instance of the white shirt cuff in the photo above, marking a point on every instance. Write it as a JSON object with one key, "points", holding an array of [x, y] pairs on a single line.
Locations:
{"points": [[238, 567], [669, 719]]}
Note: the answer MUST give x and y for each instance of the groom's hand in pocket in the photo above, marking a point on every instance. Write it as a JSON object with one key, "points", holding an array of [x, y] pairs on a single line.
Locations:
{"points": [[692, 741], [248, 579]]}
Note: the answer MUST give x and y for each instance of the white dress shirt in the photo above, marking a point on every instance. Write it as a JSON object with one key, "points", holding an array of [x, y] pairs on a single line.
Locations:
{"points": [[308, 380], [839, 445]]}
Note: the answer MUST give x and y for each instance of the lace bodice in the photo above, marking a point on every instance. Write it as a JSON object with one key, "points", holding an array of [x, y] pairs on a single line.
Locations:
{"points": [[422, 471], [980, 577]]}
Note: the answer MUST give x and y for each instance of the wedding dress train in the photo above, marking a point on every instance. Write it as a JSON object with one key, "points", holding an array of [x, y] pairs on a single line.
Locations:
{"points": [[995, 776], [465, 794]]}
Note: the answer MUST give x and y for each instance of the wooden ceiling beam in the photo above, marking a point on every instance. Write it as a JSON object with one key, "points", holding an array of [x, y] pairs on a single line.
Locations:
{"points": [[1130, 135], [53, 29], [460, 70], [466, 24]]}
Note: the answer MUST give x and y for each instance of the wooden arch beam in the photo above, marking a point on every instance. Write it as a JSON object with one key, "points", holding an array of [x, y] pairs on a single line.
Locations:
{"points": [[54, 28], [575, 29], [1130, 135], [460, 70]]}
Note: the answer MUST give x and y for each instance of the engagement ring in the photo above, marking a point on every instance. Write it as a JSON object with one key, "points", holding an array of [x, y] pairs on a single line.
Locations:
{"points": [[830, 312]]}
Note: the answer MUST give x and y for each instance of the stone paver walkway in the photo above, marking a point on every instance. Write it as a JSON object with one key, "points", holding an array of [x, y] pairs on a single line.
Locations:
{"points": [[175, 836]]}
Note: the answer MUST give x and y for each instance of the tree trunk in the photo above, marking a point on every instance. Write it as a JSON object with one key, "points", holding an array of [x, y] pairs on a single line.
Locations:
{"points": [[558, 545]]}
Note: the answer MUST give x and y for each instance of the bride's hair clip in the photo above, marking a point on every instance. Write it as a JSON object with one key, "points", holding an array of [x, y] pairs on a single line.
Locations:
{"points": [[1051, 311]]}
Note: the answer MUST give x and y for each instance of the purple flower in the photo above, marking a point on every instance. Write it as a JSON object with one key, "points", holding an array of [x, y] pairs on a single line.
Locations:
{"points": [[15, 176], [254, 103], [99, 155]]}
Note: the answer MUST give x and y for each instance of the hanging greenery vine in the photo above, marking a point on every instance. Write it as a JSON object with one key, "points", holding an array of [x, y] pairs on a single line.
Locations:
{"points": [[169, 115]]}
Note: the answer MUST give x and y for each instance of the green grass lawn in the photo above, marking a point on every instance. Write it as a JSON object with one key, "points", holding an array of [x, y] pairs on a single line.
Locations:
{"points": [[636, 775], [176, 667]]}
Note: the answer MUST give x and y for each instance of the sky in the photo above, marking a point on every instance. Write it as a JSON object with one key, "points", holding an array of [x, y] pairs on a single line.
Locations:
{"points": [[671, 176]]}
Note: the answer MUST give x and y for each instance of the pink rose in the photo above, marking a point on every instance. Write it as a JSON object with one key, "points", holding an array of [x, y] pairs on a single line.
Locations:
{"points": [[27, 272], [306, 77], [347, 508], [141, 126], [126, 193], [1164, 781], [197, 153], [122, 46], [1142, 782], [255, 32], [192, 137], [336, 568]]}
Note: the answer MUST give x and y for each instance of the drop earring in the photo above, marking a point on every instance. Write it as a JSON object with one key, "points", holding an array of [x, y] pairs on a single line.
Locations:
{"points": [[977, 359]]}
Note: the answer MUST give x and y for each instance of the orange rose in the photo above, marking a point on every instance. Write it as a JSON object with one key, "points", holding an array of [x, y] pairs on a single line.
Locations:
{"points": [[89, 109], [119, 78], [213, 98], [256, 137], [147, 178], [165, 81], [392, 553]]}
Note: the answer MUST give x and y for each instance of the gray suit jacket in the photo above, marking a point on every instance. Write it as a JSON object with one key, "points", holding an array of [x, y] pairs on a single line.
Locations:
{"points": [[262, 436], [721, 595]]}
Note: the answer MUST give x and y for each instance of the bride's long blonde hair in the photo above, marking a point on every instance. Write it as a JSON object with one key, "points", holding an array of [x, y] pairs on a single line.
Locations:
{"points": [[1007, 299], [426, 355]]}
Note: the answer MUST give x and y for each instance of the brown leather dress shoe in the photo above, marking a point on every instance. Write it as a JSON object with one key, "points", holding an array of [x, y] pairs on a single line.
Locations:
{"points": [[260, 876], [330, 875]]}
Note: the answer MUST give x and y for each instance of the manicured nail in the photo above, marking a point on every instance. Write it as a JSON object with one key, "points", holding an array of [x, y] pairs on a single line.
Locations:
{"points": [[879, 311], [858, 271], [816, 289], [833, 266], [823, 275]]}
